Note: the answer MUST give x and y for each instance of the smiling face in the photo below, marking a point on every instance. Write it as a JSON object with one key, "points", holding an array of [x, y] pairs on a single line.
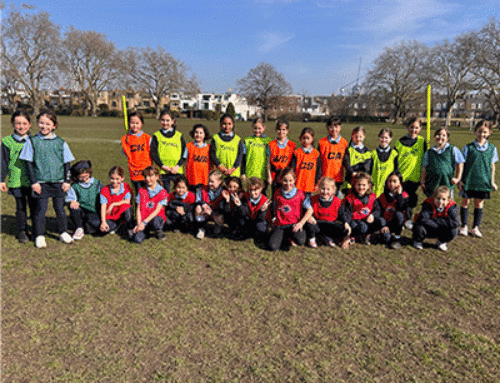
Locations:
{"points": [[384, 140], [258, 129], [358, 138], [227, 125], [441, 138], [393, 183], [254, 191], [482, 134], [199, 135], [334, 130], [441, 200], [151, 180], [414, 129], [84, 177], [307, 140], [214, 182], [327, 190], [46, 126], [181, 188], [362, 187], [135, 124], [115, 180], [21, 126], [233, 188], [282, 132], [288, 182], [167, 121]]}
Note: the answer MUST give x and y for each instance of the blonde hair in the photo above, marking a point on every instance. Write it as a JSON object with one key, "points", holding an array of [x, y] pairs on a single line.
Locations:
{"points": [[325, 180], [441, 190]]}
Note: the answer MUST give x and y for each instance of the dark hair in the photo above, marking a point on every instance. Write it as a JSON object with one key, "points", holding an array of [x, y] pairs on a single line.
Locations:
{"points": [[20, 113], [168, 112], [362, 176], [307, 130], [205, 130], [258, 120], [284, 172], [385, 130], [282, 121], [234, 179], [51, 115], [181, 178], [412, 120], [224, 116], [482, 123], [135, 114], [397, 174], [116, 170], [333, 120], [447, 131], [255, 181], [80, 167], [356, 130]]}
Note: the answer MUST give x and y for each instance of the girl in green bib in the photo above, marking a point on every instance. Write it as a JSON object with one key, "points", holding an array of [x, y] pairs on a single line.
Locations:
{"points": [[384, 161], [14, 171], [226, 148]]}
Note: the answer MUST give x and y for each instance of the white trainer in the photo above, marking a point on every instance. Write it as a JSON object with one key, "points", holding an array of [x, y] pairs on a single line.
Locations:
{"points": [[312, 243], [40, 242], [79, 234], [442, 246], [201, 234], [476, 233], [418, 245], [464, 231], [66, 238], [409, 225]]}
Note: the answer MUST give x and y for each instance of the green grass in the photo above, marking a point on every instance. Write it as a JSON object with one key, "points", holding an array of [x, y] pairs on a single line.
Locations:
{"points": [[183, 310]]}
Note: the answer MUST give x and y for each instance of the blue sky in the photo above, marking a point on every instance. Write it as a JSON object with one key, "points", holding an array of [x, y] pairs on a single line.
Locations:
{"points": [[317, 45]]}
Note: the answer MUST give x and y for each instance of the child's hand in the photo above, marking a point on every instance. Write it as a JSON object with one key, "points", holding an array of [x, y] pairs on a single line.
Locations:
{"points": [[494, 186], [399, 189], [180, 210], [140, 227], [230, 171], [243, 177], [370, 218], [270, 180], [226, 195], [175, 169], [109, 209], [3, 186], [455, 181], [265, 205], [74, 205], [65, 187], [168, 169], [348, 228], [36, 188], [104, 227], [385, 229], [312, 221], [237, 200], [298, 226], [207, 210]]}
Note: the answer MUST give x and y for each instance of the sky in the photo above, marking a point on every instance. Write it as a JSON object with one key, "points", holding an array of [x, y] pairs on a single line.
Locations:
{"points": [[317, 45]]}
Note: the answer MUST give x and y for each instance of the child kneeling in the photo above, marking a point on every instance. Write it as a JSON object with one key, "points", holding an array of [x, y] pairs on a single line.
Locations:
{"points": [[437, 219]]}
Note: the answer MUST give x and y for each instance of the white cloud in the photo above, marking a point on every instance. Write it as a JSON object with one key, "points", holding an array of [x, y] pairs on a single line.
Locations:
{"points": [[270, 41]]}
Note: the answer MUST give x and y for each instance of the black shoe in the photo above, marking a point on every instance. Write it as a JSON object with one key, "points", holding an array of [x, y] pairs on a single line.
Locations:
{"points": [[23, 237], [160, 235]]}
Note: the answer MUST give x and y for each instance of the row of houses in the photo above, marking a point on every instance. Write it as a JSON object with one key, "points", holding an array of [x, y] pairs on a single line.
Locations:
{"points": [[474, 104]]}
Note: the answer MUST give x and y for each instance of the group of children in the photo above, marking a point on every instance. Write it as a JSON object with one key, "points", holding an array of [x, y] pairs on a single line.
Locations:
{"points": [[379, 187]]}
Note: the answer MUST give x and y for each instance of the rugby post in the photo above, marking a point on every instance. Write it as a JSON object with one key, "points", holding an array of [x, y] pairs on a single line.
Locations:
{"points": [[125, 112], [428, 115]]}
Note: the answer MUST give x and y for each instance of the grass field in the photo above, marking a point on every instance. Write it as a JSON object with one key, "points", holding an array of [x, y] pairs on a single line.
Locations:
{"points": [[183, 310]]}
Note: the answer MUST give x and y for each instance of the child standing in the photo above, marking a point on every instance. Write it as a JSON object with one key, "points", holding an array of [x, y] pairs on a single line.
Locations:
{"points": [[394, 206], [14, 170], [332, 149], [47, 158], [322, 219], [198, 163], [226, 149], [135, 145], [361, 209], [411, 149], [280, 153], [478, 178], [83, 199], [384, 161], [150, 201], [180, 205], [115, 202], [289, 202], [305, 161], [168, 149], [357, 157], [437, 219], [439, 163], [255, 157], [208, 204]]}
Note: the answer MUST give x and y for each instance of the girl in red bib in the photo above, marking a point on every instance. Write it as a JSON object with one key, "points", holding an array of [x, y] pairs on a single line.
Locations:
{"points": [[322, 219], [394, 209], [289, 203], [437, 219], [361, 209], [150, 201], [256, 210], [115, 202]]}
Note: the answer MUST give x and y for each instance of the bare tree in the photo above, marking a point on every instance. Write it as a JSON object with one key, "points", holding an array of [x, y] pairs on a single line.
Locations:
{"points": [[448, 67], [94, 64], [396, 75], [487, 63], [263, 85], [31, 52], [159, 73]]}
